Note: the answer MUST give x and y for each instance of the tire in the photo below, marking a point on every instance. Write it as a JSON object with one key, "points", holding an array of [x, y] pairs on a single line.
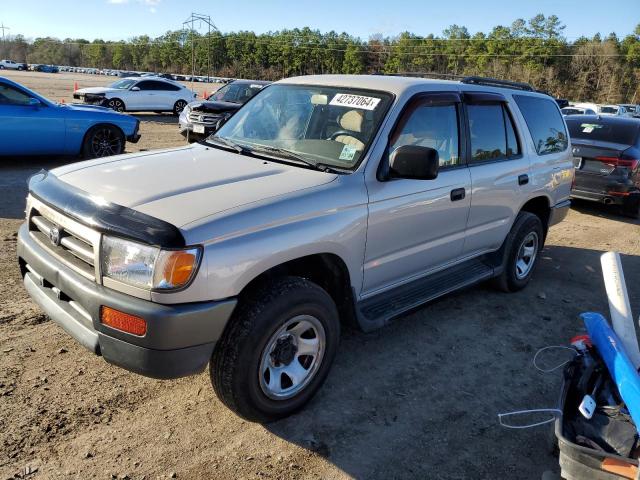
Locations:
{"points": [[526, 237], [1, 67], [631, 207], [257, 342], [178, 107], [116, 104], [103, 141]]}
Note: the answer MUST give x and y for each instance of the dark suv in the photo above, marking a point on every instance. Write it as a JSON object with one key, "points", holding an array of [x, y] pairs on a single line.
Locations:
{"points": [[606, 154], [199, 119]]}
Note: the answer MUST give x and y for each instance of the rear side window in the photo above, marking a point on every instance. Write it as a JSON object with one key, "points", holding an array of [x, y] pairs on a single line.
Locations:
{"points": [[544, 122], [493, 135], [618, 132]]}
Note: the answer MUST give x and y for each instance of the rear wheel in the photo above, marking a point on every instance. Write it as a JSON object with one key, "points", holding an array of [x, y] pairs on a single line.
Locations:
{"points": [[116, 104], [179, 106], [103, 141], [522, 246], [277, 350]]}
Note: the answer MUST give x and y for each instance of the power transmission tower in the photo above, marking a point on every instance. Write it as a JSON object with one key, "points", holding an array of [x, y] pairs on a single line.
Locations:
{"points": [[190, 22], [3, 28]]}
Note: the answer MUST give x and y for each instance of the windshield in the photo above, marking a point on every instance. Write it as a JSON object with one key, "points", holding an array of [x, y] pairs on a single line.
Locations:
{"points": [[123, 84], [236, 92], [608, 109], [328, 125]]}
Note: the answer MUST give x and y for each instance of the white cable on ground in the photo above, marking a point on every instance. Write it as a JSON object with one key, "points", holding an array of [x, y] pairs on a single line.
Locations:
{"points": [[556, 411], [549, 370]]}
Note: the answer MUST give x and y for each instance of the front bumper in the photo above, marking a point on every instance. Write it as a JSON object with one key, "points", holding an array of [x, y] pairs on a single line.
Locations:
{"points": [[135, 136], [179, 339]]}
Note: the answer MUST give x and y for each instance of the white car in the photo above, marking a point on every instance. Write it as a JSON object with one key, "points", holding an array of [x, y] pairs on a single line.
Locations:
{"points": [[136, 94], [11, 65]]}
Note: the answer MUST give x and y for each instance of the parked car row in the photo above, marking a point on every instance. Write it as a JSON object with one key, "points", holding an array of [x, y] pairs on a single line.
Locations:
{"points": [[620, 110]]}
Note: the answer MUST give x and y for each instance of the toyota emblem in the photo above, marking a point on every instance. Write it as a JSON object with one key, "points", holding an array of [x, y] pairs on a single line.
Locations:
{"points": [[54, 236]]}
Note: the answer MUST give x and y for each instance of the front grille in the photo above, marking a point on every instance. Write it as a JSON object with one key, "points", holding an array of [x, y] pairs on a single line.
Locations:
{"points": [[72, 243], [203, 117]]}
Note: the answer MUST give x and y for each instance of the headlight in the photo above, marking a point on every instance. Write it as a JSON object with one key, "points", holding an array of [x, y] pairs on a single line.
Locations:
{"points": [[147, 267]]}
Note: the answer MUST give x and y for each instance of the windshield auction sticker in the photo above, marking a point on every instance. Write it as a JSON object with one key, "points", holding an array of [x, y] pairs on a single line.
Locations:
{"points": [[354, 101]]}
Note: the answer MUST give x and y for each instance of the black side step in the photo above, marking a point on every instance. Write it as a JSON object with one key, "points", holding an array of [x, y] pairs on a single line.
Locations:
{"points": [[376, 311]]}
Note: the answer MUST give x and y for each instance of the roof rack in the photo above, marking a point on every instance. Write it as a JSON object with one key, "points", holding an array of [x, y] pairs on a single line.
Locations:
{"points": [[495, 82], [434, 75]]}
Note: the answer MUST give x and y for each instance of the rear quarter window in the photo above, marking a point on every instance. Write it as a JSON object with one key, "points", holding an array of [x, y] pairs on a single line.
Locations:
{"points": [[619, 132], [544, 123]]}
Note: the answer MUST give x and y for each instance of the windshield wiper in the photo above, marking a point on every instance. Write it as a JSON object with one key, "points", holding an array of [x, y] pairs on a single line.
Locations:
{"points": [[283, 152], [227, 143]]}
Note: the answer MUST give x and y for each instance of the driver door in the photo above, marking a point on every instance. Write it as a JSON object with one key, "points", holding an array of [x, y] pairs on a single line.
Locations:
{"points": [[418, 226], [29, 129]]}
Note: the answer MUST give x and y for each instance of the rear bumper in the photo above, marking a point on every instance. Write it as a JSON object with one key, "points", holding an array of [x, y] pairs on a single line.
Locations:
{"points": [[179, 339], [612, 197], [559, 212]]}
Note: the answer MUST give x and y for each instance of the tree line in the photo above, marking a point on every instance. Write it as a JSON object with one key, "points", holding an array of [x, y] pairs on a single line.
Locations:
{"points": [[599, 69]]}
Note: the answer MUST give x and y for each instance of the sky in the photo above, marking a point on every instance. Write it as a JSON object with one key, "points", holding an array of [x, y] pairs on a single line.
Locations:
{"points": [[123, 19]]}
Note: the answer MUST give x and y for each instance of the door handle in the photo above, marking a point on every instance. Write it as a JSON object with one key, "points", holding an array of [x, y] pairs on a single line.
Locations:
{"points": [[457, 194], [523, 179]]}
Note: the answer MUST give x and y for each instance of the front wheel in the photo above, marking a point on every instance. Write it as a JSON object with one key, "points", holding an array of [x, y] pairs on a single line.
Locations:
{"points": [[116, 104], [277, 351], [103, 141], [179, 106], [522, 246]]}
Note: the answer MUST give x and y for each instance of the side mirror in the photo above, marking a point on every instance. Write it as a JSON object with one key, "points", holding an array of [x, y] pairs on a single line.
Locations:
{"points": [[412, 161], [135, 89], [34, 102]]}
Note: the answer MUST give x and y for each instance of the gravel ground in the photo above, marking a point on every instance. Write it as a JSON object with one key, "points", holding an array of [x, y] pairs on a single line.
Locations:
{"points": [[417, 399]]}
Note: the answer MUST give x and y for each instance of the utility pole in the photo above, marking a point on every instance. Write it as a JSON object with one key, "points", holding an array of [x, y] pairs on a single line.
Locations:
{"points": [[200, 18]]}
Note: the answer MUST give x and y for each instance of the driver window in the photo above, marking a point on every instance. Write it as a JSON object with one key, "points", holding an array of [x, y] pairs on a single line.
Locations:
{"points": [[11, 96], [434, 126]]}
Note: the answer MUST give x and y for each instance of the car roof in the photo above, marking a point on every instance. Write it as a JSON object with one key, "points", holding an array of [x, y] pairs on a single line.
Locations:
{"points": [[159, 79], [254, 82], [396, 84]]}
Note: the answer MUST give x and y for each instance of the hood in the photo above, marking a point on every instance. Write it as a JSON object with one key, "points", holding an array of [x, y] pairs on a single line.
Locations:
{"points": [[214, 107], [185, 184], [96, 90], [83, 107]]}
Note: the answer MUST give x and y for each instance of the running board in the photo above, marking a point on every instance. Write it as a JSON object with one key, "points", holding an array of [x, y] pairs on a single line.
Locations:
{"points": [[376, 311]]}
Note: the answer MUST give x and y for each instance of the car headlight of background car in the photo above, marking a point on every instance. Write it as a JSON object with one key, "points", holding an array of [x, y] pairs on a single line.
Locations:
{"points": [[147, 267]]}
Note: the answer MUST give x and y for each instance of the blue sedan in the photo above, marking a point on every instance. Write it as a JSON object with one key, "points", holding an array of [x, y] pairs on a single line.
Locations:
{"points": [[32, 125]]}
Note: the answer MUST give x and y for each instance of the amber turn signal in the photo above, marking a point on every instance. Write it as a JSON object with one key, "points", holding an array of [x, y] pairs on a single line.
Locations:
{"points": [[123, 321]]}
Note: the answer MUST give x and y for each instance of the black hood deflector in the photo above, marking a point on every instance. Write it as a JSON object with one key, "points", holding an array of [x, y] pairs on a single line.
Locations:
{"points": [[103, 216]]}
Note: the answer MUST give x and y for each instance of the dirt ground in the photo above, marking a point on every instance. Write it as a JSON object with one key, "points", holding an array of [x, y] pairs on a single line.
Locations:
{"points": [[417, 399]]}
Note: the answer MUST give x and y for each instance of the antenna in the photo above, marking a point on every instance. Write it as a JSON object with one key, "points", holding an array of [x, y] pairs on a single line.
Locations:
{"points": [[200, 18]]}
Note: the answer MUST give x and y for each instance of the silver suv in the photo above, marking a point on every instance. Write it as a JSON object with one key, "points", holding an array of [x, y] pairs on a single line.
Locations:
{"points": [[325, 200]]}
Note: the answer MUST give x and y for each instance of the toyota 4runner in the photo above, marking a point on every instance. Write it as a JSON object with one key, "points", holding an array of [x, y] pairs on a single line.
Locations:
{"points": [[324, 200]]}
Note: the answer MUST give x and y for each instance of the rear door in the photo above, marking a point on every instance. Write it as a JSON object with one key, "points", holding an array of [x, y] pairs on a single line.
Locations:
{"points": [[29, 129], [499, 171], [167, 94]]}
